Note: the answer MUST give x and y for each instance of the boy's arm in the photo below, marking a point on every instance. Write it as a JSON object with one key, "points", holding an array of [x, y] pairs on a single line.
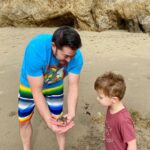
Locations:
{"points": [[132, 145], [128, 133]]}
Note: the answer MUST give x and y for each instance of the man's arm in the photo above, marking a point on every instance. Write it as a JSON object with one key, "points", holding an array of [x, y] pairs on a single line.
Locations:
{"points": [[132, 145], [72, 94], [36, 85]]}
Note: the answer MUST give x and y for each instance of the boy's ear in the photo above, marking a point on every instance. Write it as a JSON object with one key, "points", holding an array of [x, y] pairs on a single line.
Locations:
{"points": [[115, 99]]}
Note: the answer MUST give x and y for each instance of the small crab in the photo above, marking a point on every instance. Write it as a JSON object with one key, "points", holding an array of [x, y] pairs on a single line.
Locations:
{"points": [[63, 119]]}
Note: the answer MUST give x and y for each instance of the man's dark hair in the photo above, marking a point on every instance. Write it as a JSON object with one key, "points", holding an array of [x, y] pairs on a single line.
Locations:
{"points": [[67, 36]]}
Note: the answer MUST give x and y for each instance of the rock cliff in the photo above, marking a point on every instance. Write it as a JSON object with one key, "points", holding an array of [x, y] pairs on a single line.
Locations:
{"points": [[95, 15]]}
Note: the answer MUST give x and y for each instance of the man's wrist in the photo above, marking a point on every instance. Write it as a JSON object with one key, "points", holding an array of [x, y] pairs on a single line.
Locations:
{"points": [[47, 119], [71, 114]]}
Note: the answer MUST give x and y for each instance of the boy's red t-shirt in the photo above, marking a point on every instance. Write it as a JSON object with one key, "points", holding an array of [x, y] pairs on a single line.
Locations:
{"points": [[119, 130]]}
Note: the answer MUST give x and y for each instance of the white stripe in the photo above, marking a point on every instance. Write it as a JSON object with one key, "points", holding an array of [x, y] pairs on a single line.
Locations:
{"points": [[56, 95], [55, 103], [26, 98], [24, 106]]}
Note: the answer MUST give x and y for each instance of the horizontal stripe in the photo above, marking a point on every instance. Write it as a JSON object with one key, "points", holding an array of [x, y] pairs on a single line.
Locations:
{"points": [[56, 112], [25, 119], [55, 108], [50, 97], [26, 99], [56, 116], [26, 91], [24, 105], [26, 112], [53, 91], [55, 103], [25, 94], [56, 96]]}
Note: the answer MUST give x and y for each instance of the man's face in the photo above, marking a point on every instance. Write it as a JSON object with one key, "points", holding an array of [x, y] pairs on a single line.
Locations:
{"points": [[64, 55], [103, 99]]}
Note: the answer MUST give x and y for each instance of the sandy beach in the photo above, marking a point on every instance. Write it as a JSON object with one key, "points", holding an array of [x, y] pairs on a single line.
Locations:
{"points": [[118, 51]]}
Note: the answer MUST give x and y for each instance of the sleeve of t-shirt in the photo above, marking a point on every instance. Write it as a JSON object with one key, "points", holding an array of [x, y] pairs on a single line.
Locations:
{"points": [[76, 64], [127, 130], [33, 59]]}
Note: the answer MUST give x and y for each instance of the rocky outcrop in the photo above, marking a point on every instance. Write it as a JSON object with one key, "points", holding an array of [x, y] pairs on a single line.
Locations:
{"points": [[95, 15]]}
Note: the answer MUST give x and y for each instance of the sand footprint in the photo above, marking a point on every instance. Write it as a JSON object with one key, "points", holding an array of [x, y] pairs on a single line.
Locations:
{"points": [[12, 113]]}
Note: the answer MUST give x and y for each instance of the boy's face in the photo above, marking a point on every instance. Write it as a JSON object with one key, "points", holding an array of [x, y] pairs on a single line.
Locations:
{"points": [[103, 99]]}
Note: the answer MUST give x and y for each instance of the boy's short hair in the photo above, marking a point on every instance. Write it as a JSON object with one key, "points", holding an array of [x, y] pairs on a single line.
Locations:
{"points": [[66, 36], [113, 85]]}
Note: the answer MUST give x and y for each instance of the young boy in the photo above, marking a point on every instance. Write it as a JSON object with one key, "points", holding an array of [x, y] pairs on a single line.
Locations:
{"points": [[119, 128]]}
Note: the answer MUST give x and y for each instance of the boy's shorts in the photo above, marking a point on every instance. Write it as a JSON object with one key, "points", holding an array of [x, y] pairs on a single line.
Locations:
{"points": [[53, 96]]}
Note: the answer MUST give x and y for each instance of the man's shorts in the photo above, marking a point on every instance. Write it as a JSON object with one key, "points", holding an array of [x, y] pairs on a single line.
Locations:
{"points": [[53, 96]]}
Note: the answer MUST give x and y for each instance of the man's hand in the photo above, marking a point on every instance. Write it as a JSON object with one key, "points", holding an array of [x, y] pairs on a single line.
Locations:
{"points": [[69, 117], [55, 128], [57, 122], [67, 127], [61, 126], [60, 129]]}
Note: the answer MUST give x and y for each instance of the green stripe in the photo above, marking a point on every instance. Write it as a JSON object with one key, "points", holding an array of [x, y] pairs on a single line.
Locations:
{"points": [[56, 92], [28, 94], [25, 94]]}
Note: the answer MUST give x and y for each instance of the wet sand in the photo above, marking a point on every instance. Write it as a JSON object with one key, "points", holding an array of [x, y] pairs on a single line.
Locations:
{"points": [[119, 51]]}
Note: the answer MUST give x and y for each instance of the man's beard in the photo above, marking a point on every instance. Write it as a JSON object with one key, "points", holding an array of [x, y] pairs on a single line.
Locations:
{"points": [[63, 63]]}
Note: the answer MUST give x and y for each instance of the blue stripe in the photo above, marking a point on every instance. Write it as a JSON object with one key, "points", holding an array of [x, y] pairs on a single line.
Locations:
{"points": [[26, 100], [25, 112], [55, 107], [56, 111]]}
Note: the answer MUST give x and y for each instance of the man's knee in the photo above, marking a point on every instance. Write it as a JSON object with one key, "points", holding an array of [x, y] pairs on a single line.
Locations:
{"points": [[24, 124]]}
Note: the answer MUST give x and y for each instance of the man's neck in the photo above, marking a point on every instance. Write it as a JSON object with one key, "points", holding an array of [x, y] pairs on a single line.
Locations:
{"points": [[114, 108]]}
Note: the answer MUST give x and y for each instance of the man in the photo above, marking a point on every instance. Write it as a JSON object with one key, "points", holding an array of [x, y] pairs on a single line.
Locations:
{"points": [[47, 61]]}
